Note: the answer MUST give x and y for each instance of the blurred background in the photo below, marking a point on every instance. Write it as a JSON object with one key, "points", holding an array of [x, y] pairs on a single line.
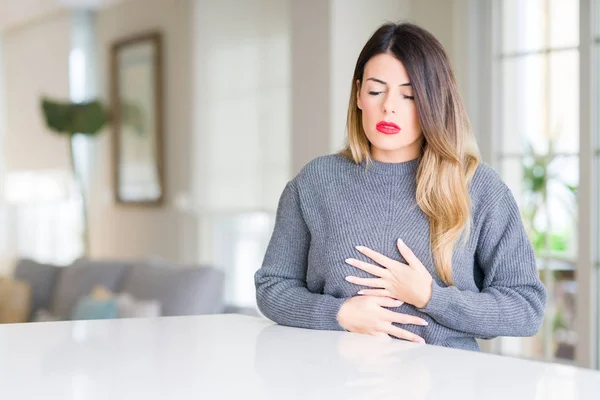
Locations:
{"points": [[162, 186]]}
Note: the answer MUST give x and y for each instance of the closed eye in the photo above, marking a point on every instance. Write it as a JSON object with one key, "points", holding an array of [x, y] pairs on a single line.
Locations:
{"points": [[372, 93]]}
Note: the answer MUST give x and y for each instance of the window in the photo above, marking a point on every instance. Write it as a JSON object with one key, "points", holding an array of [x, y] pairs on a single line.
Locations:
{"points": [[596, 162], [238, 241], [43, 221], [538, 153]]}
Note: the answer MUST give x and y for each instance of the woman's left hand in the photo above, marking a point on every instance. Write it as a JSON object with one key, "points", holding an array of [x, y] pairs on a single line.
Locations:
{"points": [[408, 283]]}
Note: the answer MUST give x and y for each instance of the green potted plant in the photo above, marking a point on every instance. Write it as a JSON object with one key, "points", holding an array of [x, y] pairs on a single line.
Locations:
{"points": [[537, 175], [71, 119]]}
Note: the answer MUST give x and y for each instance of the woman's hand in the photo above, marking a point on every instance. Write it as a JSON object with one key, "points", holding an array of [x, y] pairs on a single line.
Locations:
{"points": [[368, 315], [408, 283]]}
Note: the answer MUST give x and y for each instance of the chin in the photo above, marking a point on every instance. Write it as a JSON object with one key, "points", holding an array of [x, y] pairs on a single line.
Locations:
{"points": [[387, 146]]}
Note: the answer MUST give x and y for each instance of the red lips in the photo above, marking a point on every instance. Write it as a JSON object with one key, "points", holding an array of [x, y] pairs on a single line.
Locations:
{"points": [[388, 128]]}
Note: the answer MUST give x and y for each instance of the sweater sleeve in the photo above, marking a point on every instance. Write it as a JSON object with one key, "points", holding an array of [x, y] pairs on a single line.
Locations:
{"points": [[512, 298], [281, 291]]}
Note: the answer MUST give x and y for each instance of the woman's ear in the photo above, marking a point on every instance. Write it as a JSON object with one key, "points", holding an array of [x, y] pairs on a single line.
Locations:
{"points": [[358, 100]]}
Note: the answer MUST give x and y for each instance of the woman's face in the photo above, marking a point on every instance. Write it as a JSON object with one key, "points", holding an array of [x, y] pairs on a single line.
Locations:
{"points": [[389, 113]]}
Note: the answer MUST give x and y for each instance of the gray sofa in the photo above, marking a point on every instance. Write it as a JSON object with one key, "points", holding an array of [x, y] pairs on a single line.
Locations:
{"points": [[189, 290]]}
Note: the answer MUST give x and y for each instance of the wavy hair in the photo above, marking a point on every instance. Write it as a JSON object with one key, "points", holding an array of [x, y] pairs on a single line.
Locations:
{"points": [[449, 154]]}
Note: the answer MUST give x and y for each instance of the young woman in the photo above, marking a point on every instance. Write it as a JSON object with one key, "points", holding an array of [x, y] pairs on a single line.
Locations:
{"points": [[405, 233]]}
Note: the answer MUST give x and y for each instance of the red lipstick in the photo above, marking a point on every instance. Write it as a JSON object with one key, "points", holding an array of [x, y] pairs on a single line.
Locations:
{"points": [[388, 128]]}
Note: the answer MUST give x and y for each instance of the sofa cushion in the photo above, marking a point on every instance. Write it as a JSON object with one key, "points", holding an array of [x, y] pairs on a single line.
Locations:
{"points": [[78, 280], [41, 279], [179, 290]]}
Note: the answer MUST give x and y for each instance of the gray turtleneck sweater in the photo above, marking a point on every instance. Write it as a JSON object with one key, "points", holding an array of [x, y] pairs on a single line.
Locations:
{"points": [[334, 204]]}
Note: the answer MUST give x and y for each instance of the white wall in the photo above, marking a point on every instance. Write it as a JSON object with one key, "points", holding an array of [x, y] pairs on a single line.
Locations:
{"points": [[15, 14], [226, 123], [474, 61], [36, 63], [241, 104], [437, 17], [242, 128], [311, 47], [168, 232]]}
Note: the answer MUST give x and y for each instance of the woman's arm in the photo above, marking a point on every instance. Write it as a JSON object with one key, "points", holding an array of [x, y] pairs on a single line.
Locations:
{"points": [[512, 299], [281, 291]]}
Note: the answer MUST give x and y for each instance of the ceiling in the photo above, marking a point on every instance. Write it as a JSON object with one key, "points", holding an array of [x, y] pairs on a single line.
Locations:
{"points": [[17, 12]]}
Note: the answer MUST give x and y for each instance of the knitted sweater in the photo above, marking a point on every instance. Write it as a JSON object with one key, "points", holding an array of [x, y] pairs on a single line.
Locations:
{"points": [[334, 204]]}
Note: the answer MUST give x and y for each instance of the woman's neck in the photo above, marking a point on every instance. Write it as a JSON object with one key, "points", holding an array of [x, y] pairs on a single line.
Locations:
{"points": [[396, 156]]}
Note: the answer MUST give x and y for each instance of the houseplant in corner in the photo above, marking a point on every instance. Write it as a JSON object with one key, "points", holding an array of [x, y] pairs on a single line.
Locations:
{"points": [[70, 119]]}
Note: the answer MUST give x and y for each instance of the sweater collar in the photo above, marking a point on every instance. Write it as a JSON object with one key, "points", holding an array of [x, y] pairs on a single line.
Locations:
{"points": [[383, 168]]}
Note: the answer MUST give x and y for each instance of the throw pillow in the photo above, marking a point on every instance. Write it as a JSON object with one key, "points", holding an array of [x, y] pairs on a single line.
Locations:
{"points": [[100, 304]]}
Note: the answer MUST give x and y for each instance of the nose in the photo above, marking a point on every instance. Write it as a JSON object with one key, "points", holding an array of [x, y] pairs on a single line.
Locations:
{"points": [[388, 105]]}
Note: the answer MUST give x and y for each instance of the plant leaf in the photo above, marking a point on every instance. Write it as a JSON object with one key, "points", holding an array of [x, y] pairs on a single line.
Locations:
{"points": [[85, 118]]}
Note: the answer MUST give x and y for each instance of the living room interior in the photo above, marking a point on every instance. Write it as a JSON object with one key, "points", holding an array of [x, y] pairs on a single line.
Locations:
{"points": [[144, 145]]}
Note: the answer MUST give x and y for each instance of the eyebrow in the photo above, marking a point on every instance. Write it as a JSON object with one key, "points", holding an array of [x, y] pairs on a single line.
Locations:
{"points": [[385, 83]]}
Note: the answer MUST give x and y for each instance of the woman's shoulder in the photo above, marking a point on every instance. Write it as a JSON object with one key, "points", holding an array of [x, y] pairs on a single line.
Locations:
{"points": [[487, 187], [325, 168], [486, 173]]}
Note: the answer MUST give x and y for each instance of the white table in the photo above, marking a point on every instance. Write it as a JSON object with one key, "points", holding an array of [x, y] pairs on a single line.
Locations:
{"points": [[238, 357]]}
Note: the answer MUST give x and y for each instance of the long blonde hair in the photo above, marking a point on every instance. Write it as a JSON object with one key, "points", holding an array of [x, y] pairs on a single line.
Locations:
{"points": [[449, 153]]}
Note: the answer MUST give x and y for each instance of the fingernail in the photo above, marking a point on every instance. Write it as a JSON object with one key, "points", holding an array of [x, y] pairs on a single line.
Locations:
{"points": [[422, 340], [400, 242], [361, 292], [424, 323], [348, 278], [359, 248], [399, 303], [348, 260]]}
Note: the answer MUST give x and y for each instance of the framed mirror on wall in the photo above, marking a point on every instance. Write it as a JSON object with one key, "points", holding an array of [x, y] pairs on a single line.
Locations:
{"points": [[137, 116]]}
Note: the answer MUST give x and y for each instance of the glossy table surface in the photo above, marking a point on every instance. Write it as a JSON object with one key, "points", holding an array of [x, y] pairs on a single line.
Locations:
{"points": [[240, 357]]}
